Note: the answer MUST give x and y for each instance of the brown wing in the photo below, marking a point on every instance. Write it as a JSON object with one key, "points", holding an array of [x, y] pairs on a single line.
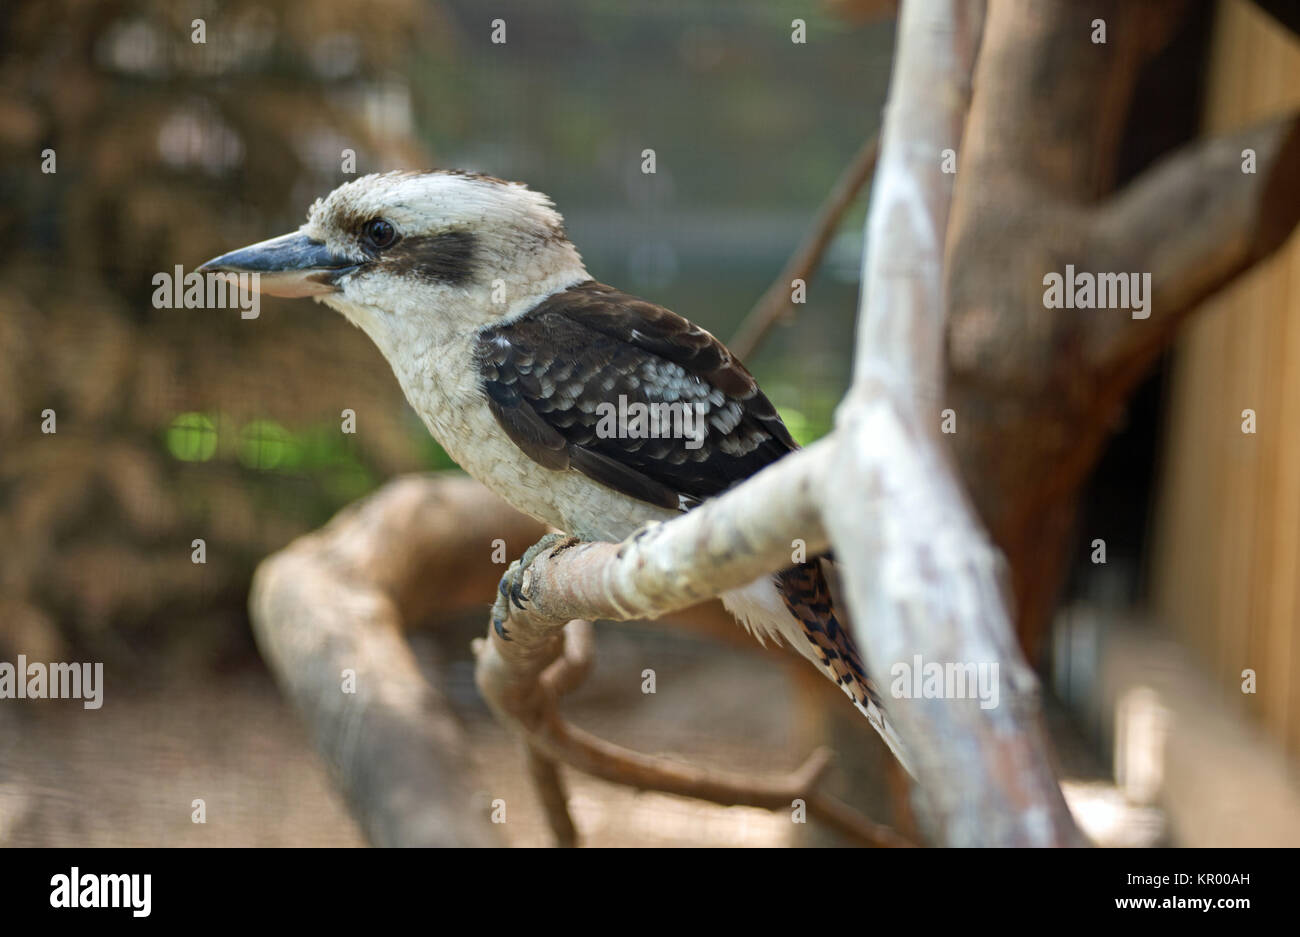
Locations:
{"points": [[552, 376]]}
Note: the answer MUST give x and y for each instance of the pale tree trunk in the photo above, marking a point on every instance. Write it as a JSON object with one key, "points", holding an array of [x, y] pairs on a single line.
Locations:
{"points": [[922, 577]]}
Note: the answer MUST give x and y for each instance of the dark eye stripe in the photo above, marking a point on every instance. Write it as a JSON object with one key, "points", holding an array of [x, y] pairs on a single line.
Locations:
{"points": [[446, 257]]}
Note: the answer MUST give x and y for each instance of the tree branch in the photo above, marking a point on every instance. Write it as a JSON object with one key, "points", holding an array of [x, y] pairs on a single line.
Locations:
{"points": [[922, 577], [547, 781], [1194, 221], [725, 543], [337, 600], [530, 708]]}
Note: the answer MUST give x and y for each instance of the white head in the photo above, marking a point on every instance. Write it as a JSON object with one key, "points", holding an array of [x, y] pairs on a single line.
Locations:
{"points": [[428, 254]]}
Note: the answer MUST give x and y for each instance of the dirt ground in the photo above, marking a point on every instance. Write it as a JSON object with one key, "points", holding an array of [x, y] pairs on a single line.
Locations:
{"points": [[129, 774]]}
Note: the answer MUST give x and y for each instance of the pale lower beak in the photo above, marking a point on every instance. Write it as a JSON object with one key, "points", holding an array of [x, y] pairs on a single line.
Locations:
{"points": [[290, 265]]}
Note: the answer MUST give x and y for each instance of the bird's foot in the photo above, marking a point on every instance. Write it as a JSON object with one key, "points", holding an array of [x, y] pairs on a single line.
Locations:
{"points": [[510, 589]]}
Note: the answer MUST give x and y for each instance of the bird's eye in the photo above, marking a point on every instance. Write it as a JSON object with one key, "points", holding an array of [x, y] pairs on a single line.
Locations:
{"points": [[379, 233]]}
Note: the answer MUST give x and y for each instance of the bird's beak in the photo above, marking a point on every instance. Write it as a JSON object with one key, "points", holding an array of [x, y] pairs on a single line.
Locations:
{"points": [[290, 265]]}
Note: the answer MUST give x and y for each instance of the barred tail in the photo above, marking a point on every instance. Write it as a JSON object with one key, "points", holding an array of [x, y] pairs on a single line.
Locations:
{"points": [[807, 596]]}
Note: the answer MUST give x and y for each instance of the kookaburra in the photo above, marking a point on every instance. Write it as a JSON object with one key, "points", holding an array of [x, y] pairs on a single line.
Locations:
{"points": [[506, 348]]}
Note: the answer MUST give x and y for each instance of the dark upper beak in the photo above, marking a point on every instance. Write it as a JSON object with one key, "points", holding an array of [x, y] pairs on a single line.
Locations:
{"points": [[290, 265]]}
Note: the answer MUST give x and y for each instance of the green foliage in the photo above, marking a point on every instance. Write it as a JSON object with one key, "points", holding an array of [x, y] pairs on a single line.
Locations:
{"points": [[192, 437]]}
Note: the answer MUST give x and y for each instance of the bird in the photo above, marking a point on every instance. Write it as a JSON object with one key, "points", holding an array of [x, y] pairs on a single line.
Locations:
{"points": [[510, 352]]}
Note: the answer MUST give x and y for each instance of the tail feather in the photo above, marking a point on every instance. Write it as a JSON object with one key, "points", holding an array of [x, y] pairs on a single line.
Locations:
{"points": [[807, 596]]}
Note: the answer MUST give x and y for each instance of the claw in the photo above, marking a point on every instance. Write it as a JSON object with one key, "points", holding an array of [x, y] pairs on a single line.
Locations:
{"points": [[517, 594], [501, 607], [500, 612], [510, 588]]}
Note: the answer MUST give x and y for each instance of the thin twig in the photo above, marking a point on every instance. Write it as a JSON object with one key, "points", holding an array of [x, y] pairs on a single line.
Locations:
{"points": [[571, 669], [566, 743], [622, 766], [803, 263], [565, 674], [549, 784], [522, 680]]}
